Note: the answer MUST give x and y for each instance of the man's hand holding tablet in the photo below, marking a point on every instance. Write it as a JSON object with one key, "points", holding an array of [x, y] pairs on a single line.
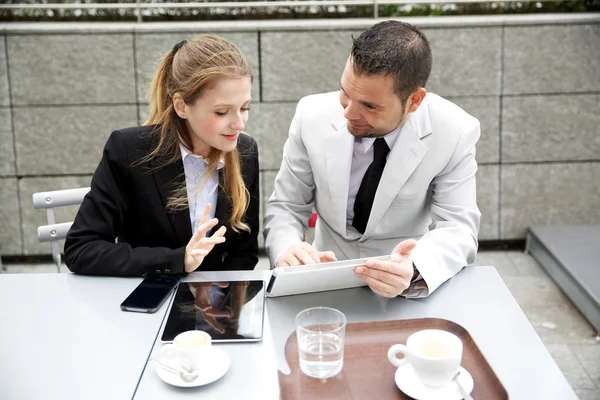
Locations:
{"points": [[391, 277], [386, 276]]}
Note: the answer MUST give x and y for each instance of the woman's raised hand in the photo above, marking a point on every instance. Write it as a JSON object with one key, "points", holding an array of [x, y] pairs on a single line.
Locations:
{"points": [[199, 245]]}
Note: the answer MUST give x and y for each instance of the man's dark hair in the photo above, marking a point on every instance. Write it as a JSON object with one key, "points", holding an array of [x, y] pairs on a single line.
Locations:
{"points": [[396, 49]]}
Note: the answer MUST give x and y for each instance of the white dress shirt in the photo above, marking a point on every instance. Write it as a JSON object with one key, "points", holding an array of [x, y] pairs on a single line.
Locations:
{"points": [[361, 159], [195, 168]]}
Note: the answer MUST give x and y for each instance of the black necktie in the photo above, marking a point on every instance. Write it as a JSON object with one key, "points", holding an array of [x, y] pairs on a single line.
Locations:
{"points": [[366, 192]]}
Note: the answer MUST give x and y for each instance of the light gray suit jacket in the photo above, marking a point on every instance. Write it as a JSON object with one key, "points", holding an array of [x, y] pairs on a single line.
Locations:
{"points": [[427, 191]]}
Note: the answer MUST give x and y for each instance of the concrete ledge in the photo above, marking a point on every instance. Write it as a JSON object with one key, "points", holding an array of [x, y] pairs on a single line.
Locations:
{"points": [[300, 25], [569, 255]]}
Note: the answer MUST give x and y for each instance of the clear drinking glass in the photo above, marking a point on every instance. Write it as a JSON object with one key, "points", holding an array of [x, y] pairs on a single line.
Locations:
{"points": [[321, 333]]}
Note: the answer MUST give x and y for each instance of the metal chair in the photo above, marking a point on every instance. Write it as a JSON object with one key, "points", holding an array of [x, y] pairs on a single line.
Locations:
{"points": [[53, 232]]}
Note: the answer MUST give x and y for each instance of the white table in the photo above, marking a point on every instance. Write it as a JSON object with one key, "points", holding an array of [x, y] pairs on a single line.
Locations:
{"points": [[253, 370], [63, 336], [476, 298]]}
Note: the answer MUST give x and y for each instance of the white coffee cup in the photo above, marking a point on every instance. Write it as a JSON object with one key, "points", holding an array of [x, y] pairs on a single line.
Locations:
{"points": [[189, 348], [435, 356]]}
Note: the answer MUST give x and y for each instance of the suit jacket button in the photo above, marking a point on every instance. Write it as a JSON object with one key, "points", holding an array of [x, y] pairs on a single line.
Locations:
{"points": [[158, 272], [167, 271]]}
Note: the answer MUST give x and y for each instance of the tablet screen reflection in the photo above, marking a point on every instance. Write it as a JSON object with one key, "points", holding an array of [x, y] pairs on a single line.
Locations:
{"points": [[225, 310]]}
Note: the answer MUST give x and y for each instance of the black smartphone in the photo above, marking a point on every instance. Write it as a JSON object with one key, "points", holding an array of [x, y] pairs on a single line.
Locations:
{"points": [[150, 294]]}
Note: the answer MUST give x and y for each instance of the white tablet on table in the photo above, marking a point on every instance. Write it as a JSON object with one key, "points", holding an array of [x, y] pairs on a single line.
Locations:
{"points": [[300, 279]]}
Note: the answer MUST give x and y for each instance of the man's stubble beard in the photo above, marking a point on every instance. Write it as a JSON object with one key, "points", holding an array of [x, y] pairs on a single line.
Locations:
{"points": [[364, 135], [374, 134]]}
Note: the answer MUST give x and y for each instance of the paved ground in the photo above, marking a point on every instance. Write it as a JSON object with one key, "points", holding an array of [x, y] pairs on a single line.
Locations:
{"points": [[567, 335]]}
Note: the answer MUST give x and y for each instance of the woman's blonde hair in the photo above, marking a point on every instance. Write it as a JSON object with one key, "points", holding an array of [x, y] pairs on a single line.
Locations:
{"points": [[190, 69]]}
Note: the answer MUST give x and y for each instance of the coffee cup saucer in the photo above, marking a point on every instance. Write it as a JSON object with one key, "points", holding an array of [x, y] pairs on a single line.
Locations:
{"points": [[216, 367], [408, 382]]}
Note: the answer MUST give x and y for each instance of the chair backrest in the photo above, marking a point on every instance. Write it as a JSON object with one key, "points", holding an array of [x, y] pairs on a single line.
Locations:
{"points": [[53, 232]]}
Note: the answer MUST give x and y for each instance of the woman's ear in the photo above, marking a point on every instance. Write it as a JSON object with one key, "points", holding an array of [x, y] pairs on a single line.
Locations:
{"points": [[180, 106]]}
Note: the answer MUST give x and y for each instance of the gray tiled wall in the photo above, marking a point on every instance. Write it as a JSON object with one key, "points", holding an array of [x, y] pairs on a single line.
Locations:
{"points": [[552, 59], [71, 69], [44, 133], [535, 87], [269, 124], [4, 98], [487, 111], [564, 127], [466, 62], [488, 190], [267, 184], [296, 64], [7, 151], [10, 235], [556, 193], [266, 188]]}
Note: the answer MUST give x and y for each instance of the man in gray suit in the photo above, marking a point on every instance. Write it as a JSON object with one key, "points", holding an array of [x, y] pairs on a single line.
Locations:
{"points": [[383, 162]]}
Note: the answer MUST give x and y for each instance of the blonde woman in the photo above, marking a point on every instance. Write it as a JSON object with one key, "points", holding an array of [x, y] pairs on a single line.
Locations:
{"points": [[181, 192]]}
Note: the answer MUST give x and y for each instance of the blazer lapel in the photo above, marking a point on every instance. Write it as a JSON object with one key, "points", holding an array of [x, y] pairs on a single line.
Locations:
{"points": [[406, 154], [168, 178], [223, 210], [339, 148]]}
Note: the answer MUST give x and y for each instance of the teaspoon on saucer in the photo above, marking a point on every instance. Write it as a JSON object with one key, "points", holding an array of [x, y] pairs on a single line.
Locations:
{"points": [[461, 389], [185, 375]]}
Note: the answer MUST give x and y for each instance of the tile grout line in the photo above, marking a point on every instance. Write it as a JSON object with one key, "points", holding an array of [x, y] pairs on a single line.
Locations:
{"points": [[135, 78], [260, 75], [14, 137], [294, 101], [549, 162], [78, 105], [549, 94], [500, 127], [275, 170]]}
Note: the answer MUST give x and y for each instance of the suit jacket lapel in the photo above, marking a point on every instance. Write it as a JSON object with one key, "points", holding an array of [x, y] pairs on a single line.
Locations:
{"points": [[339, 148], [167, 178], [406, 154]]}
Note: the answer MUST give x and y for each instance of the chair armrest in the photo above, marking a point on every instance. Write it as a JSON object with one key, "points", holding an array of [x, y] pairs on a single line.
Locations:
{"points": [[59, 198], [53, 232]]}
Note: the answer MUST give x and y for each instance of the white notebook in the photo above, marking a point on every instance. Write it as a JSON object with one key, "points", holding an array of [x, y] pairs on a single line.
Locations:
{"points": [[300, 279]]}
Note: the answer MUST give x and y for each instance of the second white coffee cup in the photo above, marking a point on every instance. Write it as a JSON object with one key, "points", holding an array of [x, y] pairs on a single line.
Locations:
{"points": [[435, 356], [190, 349]]}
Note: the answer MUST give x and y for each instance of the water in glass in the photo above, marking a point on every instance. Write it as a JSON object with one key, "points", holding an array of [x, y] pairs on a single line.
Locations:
{"points": [[321, 354]]}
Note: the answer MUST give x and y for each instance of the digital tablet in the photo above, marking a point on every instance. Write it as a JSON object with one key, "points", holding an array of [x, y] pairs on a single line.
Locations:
{"points": [[227, 311], [286, 281]]}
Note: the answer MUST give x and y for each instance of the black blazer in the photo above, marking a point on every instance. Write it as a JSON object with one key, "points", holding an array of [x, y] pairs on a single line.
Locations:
{"points": [[127, 201]]}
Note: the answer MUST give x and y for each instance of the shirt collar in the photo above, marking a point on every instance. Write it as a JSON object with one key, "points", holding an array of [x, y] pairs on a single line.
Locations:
{"points": [[365, 144], [185, 153]]}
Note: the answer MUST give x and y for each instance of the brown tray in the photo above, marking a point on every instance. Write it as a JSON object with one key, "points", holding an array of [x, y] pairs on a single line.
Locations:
{"points": [[367, 373]]}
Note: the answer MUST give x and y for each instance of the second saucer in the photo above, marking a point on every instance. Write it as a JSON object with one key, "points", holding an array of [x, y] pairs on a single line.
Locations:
{"points": [[408, 382]]}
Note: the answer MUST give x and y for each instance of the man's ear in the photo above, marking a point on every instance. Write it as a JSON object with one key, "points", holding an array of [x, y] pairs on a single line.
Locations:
{"points": [[415, 99], [180, 106]]}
